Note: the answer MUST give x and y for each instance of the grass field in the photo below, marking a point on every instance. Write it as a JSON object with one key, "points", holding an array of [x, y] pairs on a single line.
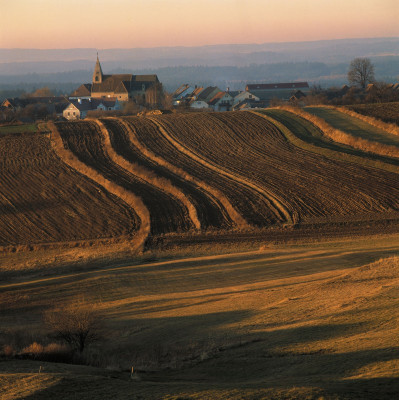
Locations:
{"points": [[296, 321], [24, 128], [354, 126], [306, 135]]}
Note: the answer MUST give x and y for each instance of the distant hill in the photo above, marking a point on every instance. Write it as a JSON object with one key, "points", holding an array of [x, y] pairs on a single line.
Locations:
{"points": [[322, 62]]}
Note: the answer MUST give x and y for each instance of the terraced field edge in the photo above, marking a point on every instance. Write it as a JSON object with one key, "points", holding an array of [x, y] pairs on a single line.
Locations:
{"points": [[132, 200]]}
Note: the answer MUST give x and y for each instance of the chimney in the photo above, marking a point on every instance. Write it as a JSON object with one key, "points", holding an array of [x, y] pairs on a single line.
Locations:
{"points": [[80, 101]]}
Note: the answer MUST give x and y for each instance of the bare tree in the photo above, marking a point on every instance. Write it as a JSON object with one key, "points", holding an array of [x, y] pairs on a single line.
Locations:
{"points": [[361, 72], [77, 324]]}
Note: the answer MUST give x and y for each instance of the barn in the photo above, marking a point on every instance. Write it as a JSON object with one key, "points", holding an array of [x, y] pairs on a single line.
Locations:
{"points": [[281, 91]]}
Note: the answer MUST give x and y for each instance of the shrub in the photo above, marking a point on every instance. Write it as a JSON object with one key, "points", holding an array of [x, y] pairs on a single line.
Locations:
{"points": [[77, 325]]}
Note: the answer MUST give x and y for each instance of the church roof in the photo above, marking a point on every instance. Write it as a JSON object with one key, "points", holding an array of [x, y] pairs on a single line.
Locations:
{"points": [[120, 83], [121, 88], [82, 91], [110, 82]]}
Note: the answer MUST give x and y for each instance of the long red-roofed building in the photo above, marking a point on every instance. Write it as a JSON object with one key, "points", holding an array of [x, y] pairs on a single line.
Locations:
{"points": [[281, 91]]}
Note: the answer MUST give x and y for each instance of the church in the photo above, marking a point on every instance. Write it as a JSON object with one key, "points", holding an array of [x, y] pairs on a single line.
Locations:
{"points": [[123, 87]]}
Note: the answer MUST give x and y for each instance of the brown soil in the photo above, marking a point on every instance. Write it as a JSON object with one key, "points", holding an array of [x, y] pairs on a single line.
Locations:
{"points": [[209, 210], [312, 187], [84, 139], [43, 200]]}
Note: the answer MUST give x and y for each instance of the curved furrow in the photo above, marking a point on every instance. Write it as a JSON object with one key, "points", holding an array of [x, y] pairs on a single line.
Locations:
{"points": [[225, 192], [167, 214], [143, 173], [182, 135], [350, 184], [209, 210], [43, 200], [314, 186], [251, 204]]}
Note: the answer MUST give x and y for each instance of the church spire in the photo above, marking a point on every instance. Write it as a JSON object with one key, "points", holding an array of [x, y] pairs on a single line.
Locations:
{"points": [[98, 73]]}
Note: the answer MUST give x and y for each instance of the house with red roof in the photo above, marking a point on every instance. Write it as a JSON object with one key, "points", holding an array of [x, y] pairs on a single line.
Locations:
{"points": [[222, 101]]}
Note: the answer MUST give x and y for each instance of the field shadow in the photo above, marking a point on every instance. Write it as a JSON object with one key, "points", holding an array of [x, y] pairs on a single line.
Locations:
{"points": [[262, 364]]}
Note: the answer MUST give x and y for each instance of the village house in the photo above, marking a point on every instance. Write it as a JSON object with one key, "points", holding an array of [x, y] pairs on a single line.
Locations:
{"points": [[79, 108], [208, 93], [199, 104], [52, 103], [222, 101], [35, 107], [186, 95], [239, 96], [180, 93]]}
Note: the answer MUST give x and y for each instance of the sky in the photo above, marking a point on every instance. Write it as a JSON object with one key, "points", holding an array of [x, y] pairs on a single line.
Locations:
{"points": [[49, 24]]}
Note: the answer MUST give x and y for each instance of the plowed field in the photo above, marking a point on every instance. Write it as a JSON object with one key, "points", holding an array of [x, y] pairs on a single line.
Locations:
{"points": [[84, 139], [387, 112], [209, 210], [235, 169], [253, 206], [310, 186], [43, 200]]}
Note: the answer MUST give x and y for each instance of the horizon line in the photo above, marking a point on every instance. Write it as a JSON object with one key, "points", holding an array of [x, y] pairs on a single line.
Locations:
{"points": [[200, 46]]}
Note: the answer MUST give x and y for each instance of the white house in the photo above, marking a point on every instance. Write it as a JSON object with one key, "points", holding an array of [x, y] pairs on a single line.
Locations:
{"points": [[222, 101], [78, 109], [241, 96], [199, 104]]}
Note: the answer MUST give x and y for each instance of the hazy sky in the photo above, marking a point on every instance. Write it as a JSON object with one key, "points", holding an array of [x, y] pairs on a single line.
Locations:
{"points": [[151, 23]]}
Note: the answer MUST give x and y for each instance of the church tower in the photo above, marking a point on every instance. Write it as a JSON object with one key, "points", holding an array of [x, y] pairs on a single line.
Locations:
{"points": [[98, 73]]}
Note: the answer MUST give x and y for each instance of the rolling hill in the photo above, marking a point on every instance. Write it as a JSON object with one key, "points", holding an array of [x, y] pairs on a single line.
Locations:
{"points": [[238, 255]]}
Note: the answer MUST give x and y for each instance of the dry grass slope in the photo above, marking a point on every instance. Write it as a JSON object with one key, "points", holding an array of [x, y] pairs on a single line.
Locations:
{"points": [[263, 331]]}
